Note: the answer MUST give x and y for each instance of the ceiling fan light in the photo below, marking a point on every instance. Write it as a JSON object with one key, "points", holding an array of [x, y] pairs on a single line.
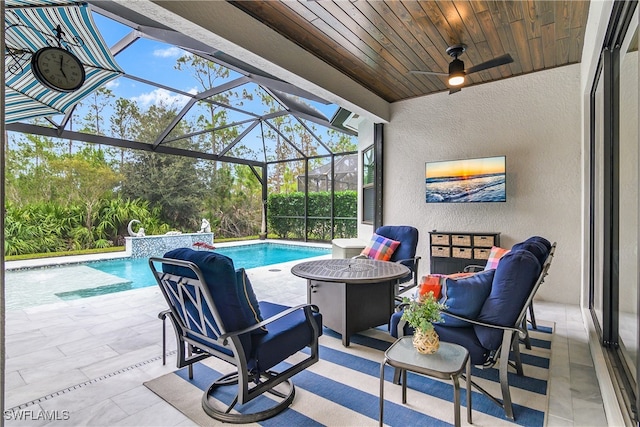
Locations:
{"points": [[456, 72], [456, 79]]}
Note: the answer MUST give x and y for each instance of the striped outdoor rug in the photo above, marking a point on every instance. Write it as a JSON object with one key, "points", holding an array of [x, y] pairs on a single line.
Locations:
{"points": [[342, 388]]}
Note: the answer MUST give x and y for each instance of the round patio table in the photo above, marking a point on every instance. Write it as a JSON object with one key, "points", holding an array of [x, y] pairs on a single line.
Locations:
{"points": [[353, 294]]}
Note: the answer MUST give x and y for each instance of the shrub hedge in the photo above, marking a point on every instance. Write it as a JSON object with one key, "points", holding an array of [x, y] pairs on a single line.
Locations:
{"points": [[285, 215]]}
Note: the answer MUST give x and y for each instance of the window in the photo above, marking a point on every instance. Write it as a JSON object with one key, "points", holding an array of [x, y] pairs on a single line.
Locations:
{"points": [[368, 186]]}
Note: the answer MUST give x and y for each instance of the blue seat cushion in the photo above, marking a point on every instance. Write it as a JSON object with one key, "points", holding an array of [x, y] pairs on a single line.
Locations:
{"points": [[467, 338], [285, 337], [406, 235], [465, 297], [513, 281], [408, 238], [540, 239], [248, 299], [536, 247], [220, 277]]}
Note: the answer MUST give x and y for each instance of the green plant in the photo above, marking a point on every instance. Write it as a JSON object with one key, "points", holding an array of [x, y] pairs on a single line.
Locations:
{"points": [[421, 313], [285, 214]]}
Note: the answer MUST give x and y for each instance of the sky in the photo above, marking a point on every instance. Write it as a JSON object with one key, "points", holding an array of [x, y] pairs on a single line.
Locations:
{"points": [[465, 168], [156, 62]]}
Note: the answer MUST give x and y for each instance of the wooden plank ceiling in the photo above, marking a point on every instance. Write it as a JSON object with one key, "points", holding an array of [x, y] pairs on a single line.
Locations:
{"points": [[377, 43]]}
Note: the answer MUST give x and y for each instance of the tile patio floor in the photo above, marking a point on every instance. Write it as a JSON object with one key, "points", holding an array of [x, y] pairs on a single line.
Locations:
{"points": [[86, 360]]}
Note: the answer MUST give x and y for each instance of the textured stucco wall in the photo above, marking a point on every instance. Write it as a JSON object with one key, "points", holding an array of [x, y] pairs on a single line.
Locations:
{"points": [[535, 120]]}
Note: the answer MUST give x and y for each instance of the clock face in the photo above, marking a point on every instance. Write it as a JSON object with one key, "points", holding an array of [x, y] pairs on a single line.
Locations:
{"points": [[58, 69]]}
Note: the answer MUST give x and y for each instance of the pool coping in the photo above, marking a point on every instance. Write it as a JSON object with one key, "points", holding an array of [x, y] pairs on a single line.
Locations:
{"points": [[75, 259]]}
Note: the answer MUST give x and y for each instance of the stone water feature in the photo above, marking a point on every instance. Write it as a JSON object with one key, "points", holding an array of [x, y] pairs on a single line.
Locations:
{"points": [[157, 245]]}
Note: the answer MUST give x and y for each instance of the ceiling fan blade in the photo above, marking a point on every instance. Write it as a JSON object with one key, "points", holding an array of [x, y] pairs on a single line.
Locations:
{"points": [[495, 62], [436, 73]]}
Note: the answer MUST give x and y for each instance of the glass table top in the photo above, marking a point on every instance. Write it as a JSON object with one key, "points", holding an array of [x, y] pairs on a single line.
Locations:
{"points": [[449, 359]]}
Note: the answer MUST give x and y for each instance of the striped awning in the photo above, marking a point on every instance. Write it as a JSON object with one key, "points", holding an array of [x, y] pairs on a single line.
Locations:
{"points": [[29, 26]]}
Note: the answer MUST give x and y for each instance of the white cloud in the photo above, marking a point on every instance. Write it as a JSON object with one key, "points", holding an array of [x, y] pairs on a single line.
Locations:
{"points": [[160, 97], [113, 84], [170, 52]]}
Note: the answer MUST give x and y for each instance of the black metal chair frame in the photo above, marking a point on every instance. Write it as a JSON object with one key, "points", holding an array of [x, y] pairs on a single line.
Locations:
{"points": [[249, 384], [403, 287], [511, 337]]}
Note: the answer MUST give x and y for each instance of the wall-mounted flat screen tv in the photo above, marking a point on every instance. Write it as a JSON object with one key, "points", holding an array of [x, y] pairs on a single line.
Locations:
{"points": [[462, 181]]}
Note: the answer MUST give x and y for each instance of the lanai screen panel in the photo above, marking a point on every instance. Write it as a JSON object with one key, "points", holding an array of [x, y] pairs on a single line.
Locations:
{"points": [[295, 141], [251, 97], [170, 97], [169, 66], [156, 110]]}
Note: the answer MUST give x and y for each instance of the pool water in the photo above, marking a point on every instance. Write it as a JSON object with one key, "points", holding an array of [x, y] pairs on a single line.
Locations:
{"points": [[117, 275], [246, 256]]}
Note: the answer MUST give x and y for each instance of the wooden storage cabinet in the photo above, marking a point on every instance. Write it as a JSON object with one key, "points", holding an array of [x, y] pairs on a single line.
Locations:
{"points": [[452, 252]]}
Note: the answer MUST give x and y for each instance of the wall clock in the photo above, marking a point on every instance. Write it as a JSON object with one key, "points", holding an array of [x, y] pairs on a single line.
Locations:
{"points": [[58, 69]]}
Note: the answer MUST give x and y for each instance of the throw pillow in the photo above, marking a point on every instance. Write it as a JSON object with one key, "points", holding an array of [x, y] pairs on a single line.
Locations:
{"points": [[248, 299], [465, 297], [430, 283], [494, 257], [380, 248], [462, 275]]}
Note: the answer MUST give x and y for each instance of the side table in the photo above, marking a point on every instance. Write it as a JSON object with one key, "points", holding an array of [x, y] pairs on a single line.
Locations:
{"points": [[447, 363]]}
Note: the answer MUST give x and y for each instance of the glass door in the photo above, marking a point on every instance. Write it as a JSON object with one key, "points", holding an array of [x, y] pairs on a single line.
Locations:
{"points": [[614, 203], [628, 266]]}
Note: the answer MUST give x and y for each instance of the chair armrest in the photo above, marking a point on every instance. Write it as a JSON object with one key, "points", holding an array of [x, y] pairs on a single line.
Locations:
{"points": [[414, 259], [412, 264], [401, 306], [308, 308], [476, 322], [473, 268]]}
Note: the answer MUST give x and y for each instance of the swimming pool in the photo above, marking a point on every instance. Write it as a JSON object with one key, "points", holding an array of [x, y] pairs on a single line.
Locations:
{"points": [[49, 285]]}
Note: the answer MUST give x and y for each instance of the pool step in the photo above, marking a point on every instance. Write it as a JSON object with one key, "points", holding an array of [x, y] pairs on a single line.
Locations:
{"points": [[26, 288]]}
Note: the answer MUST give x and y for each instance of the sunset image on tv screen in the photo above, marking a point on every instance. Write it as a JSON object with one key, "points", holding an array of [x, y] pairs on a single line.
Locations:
{"points": [[471, 180]]}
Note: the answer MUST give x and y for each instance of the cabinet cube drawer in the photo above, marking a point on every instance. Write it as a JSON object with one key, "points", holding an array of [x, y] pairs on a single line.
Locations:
{"points": [[440, 251], [461, 240], [440, 239], [462, 253], [481, 253], [484, 241]]}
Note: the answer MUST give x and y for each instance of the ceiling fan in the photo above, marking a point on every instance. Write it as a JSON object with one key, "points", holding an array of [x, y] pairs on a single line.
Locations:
{"points": [[457, 73]]}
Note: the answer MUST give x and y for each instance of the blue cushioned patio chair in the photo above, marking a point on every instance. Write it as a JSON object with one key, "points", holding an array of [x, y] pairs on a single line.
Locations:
{"points": [[494, 334], [214, 312], [405, 253], [538, 246]]}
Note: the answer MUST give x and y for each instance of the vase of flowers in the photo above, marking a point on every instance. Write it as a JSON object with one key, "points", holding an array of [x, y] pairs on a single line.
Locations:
{"points": [[420, 314]]}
